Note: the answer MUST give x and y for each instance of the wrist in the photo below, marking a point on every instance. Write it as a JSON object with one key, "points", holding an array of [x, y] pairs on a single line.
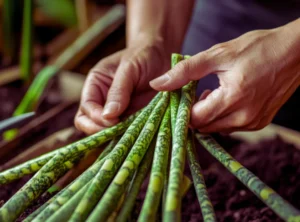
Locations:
{"points": [[151, 38], [288, 37]]}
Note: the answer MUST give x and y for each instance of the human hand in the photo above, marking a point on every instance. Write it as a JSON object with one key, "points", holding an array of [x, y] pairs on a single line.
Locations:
{"points": [[120, 83], [257, 73]]}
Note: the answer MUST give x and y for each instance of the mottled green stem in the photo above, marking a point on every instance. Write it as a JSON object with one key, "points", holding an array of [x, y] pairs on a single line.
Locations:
{"points": [[158, 171], [199, 182], [113, 162], [26, 168], [34, 214], [67, 193], [35, 164], [175, 95], [29, 168], [31, 191], [27, 39], [174, 103], [108, 149], [65, 211], [50, 172], [107, 204], [173, 198], [37, 216], [136, 184], [280, 206]]}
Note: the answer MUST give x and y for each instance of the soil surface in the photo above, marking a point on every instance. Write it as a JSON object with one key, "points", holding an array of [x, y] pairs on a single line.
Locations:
{"points": [[273, 161]]}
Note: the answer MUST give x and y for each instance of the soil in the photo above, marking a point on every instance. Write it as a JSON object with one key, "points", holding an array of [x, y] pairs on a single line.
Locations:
{"points": [[273, 161]]}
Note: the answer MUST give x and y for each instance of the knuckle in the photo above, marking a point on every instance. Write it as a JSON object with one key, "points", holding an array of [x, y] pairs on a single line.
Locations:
{"points": [[101, 69], [128, 65], [132, 68], [219, 49], [222, 52], [116, 91], [181, 69], [183, 66]]}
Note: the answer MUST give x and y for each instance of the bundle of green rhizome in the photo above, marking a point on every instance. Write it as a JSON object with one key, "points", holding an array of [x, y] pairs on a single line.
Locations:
{"points": [[138, 145]]}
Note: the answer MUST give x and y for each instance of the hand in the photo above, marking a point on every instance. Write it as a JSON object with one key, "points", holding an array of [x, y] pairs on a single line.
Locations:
{"points": [[117, 80], [257, 73]]}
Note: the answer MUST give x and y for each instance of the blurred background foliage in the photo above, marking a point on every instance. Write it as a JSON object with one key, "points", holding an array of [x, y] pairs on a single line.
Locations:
{"points": [[40, 38]]}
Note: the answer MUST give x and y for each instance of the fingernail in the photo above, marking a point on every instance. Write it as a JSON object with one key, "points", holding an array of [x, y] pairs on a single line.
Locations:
{"points": [[107, 123], [160, 80], [110, 108]]}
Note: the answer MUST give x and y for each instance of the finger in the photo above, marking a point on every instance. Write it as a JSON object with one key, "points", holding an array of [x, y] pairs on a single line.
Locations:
{"points": [[224, 125], [96, 87], [94, 112], [204, 94], [214, 106], [194, 68], [118, 96], [239, 120], [85, 124]]}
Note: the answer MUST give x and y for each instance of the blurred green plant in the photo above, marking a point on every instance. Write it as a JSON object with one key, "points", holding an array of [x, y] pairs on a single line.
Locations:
{"points": [[9, 20], [95, 34], [27, 41], [32, 96], [63, 11]]}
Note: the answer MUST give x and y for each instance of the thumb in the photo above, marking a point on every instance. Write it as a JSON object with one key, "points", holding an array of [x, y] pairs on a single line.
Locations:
{"points": [[193, 68], [118, 96]]}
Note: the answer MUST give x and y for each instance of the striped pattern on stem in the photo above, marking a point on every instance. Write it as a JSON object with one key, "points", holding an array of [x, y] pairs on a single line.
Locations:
{"points": [[158, 171], [51, 171], [136, 183], [199, 183], [173, 198], [67, 193], [112, 195], [276, 203], [113, 161]]}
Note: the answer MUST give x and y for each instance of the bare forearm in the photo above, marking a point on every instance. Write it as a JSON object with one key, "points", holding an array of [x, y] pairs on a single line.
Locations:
{"points": [[158, 19]]}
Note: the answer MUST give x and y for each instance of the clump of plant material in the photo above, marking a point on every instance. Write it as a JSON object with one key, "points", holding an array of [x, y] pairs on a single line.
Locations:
{"points": [[108, 188]]}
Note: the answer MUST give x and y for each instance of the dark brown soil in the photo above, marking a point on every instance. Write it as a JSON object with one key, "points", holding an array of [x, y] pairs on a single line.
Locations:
{"points": [[273, 161]]}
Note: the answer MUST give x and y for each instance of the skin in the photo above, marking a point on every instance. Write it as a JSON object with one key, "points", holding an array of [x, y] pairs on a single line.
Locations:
{"points": [[257, 72], [119, 84]]}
